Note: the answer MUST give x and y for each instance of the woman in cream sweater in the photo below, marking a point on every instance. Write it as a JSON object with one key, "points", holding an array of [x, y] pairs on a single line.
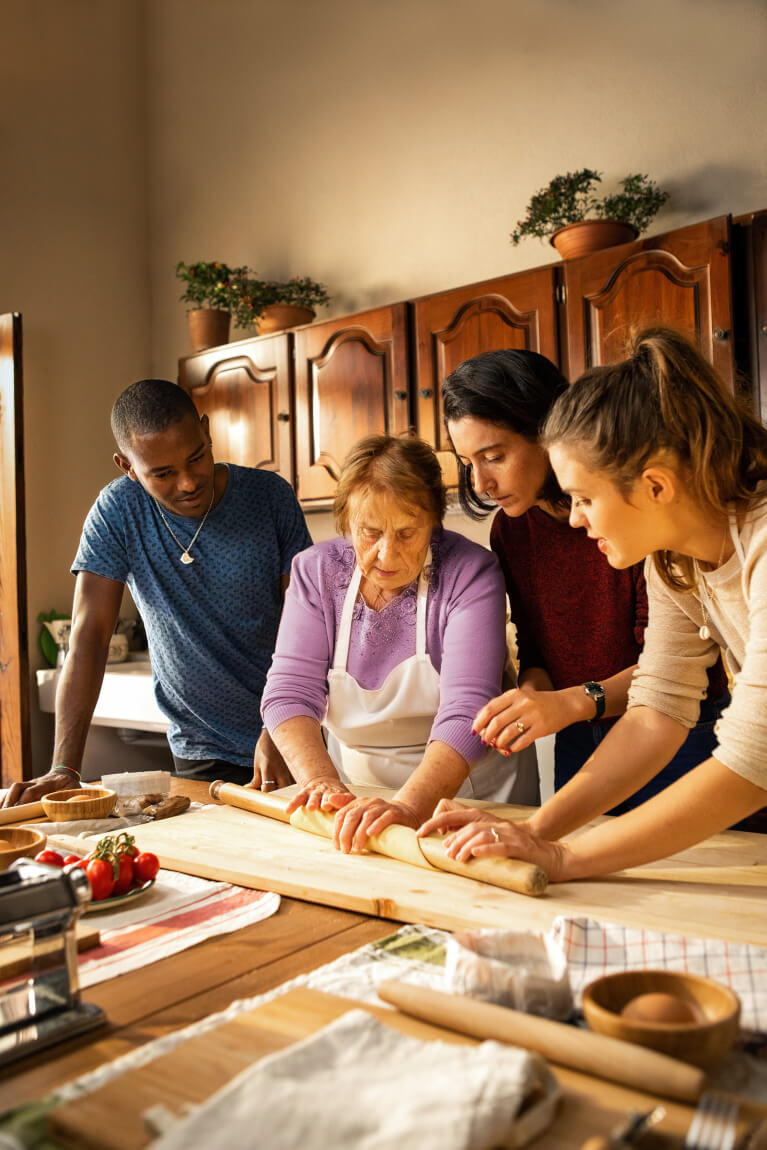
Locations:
{"points": [[662, 462]]}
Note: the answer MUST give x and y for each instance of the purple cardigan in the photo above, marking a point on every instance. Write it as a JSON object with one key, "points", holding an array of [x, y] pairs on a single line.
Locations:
{"points": [[465, 635]]}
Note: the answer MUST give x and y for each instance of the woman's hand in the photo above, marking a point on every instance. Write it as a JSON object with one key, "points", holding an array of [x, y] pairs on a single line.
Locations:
{"points": [[478, 834], [369, 816], [321, 794], [517, 718]]}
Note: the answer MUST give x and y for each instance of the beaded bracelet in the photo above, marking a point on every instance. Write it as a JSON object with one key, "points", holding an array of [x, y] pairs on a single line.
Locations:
{"points": [[72, 769]]}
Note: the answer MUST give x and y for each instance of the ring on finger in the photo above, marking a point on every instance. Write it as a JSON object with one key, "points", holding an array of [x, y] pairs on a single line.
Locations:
{"points": [[268, 783], [520, 726], [494, 833]]}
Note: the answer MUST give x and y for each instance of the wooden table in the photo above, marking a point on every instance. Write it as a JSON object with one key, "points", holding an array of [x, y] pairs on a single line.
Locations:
{"points": [[177, 991]]}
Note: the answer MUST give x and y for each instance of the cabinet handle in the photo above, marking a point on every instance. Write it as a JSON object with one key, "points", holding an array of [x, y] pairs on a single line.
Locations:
{"points": [[425, 393], [283, 417], [721, 334], [399, 394]]}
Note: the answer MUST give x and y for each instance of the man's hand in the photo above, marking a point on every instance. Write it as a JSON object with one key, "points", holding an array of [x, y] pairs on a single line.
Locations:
{"points": [[33, 791], [269, 768]]}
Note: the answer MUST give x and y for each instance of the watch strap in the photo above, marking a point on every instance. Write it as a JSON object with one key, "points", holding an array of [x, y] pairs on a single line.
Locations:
{"points": [[596, 692]]}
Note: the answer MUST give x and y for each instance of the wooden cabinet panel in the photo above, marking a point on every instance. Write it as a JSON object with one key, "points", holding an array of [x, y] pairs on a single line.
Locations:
{"points": [[516, 311], [681, 279], [351, 381], [245, 390]]}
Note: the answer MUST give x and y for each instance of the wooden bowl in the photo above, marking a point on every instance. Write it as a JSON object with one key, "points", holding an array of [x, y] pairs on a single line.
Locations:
{"points": [[701, 1042], [90, 803], [19, 842]]}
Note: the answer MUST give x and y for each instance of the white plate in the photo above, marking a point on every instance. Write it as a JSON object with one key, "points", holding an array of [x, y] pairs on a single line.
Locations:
{"points": [[119, 899]]}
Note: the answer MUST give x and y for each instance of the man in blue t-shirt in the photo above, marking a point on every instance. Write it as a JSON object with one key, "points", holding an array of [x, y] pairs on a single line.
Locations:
{"points": [[205, 549]]}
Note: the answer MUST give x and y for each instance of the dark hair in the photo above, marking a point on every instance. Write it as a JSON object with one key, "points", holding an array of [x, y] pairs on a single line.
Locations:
{"points": [[512, 389], [148, 406], [665, 398], [403, 466]]}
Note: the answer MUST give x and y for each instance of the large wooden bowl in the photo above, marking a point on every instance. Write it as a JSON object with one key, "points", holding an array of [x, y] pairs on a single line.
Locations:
{"points": [[90, 803], [19, 842], [701, 1042]]}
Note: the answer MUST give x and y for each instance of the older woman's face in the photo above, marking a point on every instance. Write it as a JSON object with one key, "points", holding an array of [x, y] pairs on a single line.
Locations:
{"points": [[389, 538]]}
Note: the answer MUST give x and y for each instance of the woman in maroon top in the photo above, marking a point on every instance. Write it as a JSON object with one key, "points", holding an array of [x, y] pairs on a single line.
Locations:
{"points": [[580, 623]]}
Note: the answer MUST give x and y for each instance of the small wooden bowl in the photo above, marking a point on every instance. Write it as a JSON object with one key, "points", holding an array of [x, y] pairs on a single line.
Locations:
{"points": [[18, 843], [702, 1042], [90, 803]]}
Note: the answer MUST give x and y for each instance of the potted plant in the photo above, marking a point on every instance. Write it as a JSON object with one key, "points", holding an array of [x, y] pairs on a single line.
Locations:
{"points": [[288, 303], [210, 289], [577, 221]]}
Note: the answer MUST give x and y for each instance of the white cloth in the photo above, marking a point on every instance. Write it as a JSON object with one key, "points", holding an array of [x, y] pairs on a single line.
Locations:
{"points": [[378, 737], [361, 1085]]}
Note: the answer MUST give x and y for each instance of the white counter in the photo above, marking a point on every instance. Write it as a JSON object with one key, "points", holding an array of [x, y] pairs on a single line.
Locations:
{"points": [[126, 698]]}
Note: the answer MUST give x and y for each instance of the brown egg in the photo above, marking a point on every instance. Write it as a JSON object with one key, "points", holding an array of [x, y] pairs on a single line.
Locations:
{"points": [[659, 1007]]}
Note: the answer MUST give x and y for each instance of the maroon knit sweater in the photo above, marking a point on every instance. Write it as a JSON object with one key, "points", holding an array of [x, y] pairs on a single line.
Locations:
{"points": [[576, 616]]}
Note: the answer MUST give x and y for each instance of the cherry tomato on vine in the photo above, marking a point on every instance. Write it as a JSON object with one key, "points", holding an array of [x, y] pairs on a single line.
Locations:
{"points": [[124, 874], [74, 860], [52, 858], [101, 877], [145, 867]]}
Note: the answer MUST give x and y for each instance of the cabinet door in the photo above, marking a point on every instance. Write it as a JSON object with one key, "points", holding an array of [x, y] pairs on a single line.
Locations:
{"points": [[681, 280], [244, 389], [351, 381], [516, 311]]}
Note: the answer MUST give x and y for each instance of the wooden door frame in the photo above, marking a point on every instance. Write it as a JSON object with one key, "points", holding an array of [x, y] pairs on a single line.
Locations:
{"points": [[15, 742]]}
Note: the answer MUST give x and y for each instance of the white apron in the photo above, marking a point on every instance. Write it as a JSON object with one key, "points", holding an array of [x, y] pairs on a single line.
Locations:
{"points": [[378, 737]]}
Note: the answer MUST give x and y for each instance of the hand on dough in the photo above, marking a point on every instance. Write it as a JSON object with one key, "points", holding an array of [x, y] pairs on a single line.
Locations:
{"points": [[364, 817]]}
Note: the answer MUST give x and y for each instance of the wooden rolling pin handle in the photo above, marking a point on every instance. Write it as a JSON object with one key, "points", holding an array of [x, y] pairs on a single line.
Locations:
{"points": [[274, 806], [590, 1053]]}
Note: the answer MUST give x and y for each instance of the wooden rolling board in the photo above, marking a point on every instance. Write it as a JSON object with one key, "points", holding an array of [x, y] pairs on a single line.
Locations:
{"points": [[16, 958], [237, 846], [111, 1118]]}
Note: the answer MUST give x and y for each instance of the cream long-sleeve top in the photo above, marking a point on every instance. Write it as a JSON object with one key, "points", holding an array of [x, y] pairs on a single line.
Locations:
{"points": [[671, 676]]}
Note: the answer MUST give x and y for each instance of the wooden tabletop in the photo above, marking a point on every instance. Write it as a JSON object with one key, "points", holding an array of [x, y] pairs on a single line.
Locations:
{"points": [[173, 993], [176, 991]]}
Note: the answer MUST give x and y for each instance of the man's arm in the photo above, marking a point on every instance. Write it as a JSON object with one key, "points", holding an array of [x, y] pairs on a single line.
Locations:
{"points": [[94, 615]]}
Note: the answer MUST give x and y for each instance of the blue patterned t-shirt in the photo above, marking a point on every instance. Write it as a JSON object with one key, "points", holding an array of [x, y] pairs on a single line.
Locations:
{"points": [[211, 625]]}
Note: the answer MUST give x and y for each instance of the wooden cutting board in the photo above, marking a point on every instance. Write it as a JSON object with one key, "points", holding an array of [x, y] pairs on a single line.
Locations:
{"points": [[231, 845], [111, 1118]]}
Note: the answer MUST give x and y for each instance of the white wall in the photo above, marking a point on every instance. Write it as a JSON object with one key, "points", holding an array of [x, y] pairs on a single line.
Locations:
{"points": [[388, 148]]}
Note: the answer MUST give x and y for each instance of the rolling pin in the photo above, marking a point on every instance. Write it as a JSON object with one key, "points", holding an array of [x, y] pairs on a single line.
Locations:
{"points": [[594, 1054], [22, 813], [395, 842]]}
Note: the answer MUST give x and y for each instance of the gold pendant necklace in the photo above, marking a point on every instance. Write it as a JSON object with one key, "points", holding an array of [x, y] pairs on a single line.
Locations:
{"points": [[704, 630], [185, 557]]}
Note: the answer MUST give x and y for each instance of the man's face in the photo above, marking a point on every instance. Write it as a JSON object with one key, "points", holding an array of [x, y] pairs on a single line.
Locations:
{"points": [[174, 466]]}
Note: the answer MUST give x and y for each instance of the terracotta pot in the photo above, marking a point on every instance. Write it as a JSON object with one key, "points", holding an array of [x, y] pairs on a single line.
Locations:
{"points": [[586, 236], [208, 327], [277, 316]]}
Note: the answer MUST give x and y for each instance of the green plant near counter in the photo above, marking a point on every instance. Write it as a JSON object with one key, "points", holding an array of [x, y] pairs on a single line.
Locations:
{"points": [[570, 198]]}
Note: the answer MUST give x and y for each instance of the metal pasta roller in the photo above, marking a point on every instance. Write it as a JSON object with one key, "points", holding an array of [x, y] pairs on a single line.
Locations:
{"points": [[39, 909]]}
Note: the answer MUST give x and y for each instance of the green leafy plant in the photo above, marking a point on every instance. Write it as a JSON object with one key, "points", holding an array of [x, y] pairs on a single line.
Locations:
{"points": [[300, 291], [569, 198], [208, 284]]}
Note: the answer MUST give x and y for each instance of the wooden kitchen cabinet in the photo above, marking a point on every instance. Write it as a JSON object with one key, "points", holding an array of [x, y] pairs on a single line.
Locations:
{"points": [[681, 279], [245, 390], [351, 380], [511, 312]]}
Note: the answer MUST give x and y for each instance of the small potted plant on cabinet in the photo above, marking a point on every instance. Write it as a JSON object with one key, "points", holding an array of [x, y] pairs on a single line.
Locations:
{"points": [[288, 303], [211, 290], [576, 221]]}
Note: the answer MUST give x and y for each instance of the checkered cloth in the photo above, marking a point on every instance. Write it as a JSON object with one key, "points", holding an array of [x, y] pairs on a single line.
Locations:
{"points": [[596, 948]]}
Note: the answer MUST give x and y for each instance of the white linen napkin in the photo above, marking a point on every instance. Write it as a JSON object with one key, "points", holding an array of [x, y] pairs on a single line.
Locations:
{"points": [[360, 1085]]}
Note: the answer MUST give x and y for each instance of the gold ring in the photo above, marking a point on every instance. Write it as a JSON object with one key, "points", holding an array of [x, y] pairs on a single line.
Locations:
{"points": [[268, 783], [521, 726], [495, 834]]}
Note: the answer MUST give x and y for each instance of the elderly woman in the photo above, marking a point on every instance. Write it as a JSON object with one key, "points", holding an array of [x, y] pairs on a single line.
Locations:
{"points": [[392, 637]]}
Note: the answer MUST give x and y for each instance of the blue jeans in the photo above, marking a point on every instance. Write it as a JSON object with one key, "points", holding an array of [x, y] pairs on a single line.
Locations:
{"points": [[575, 744]]}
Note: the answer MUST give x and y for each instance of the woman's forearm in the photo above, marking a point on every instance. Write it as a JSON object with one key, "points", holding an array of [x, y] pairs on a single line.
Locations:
{"points": [[640, 744], [299, 741], [440, 775], [703, 802]]}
